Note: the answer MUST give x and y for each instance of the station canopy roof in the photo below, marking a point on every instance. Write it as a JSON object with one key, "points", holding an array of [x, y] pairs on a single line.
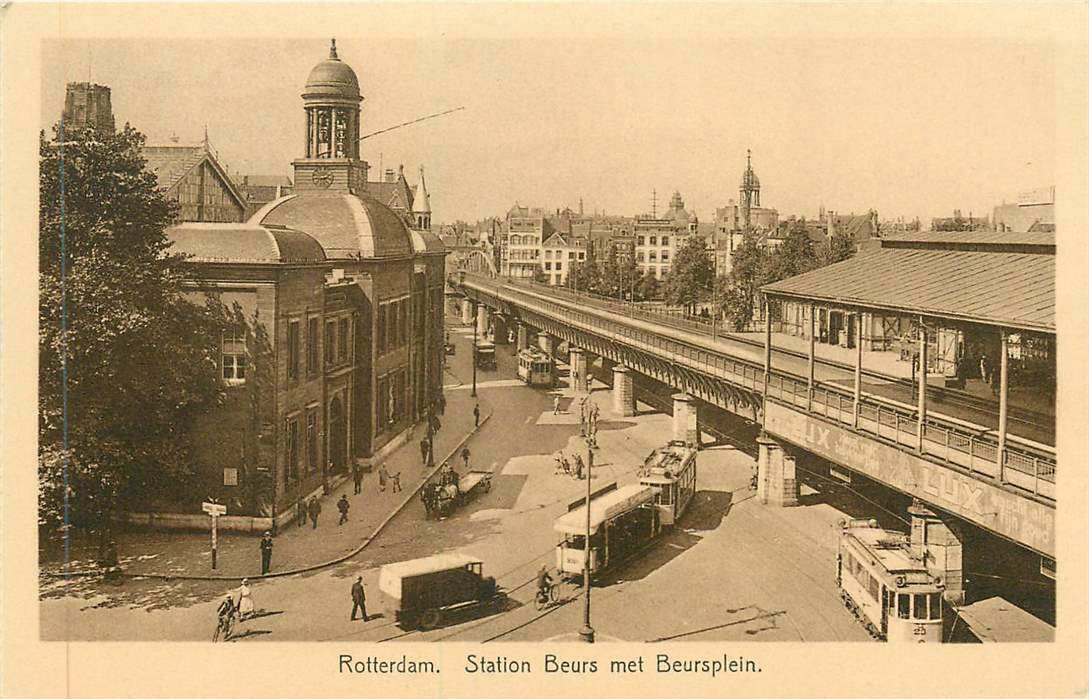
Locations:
{"points": [[1014, 290], [995, 620], [603, 508]]}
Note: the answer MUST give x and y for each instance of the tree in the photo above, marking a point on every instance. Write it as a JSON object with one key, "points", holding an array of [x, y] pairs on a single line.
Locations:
{"points": [[126, 362], [840, 248], [795, 256], [691, 275], [539, 275]]}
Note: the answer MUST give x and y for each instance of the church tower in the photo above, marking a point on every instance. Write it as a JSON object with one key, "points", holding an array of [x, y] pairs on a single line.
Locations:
{"points": [[421, 205], [331, 101], [749, 194]]}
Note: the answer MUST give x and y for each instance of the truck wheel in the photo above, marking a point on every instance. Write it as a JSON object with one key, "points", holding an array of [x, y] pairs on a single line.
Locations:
{"points": [[430, 619]]}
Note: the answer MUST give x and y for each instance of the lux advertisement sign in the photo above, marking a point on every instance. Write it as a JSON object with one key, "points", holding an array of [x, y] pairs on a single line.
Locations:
{"points": [[1020, 518]]}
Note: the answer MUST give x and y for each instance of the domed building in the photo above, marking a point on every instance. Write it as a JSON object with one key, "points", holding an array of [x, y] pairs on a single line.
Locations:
{"points": [[339, 296]]}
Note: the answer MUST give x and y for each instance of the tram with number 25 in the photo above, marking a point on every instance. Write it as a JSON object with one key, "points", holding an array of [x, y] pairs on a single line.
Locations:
{"points": [[887, 588], [671, 471]]}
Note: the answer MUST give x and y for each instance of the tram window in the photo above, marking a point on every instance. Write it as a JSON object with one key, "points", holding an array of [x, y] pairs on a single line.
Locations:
{"points": [[873, 588], [935, 605], [666, 495], [919, 607], [903, 606]]}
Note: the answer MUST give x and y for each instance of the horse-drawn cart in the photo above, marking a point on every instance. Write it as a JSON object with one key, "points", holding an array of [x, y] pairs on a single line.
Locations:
{"points": [[441, 498]]}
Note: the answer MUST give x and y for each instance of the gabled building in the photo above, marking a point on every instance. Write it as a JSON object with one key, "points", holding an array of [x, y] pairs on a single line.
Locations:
{"points": [[193, 176], [561, 253]]}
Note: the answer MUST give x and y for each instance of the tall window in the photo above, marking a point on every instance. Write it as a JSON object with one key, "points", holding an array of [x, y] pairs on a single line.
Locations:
{"points": [[330, 342], [312, 346], [342, 344], [234, 357], [383, 313], [312, 441], [293, 349], [293, 449], [404, 322]]}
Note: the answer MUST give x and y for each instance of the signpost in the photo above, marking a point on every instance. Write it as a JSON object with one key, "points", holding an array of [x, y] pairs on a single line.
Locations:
{"points": [[214, 510]]}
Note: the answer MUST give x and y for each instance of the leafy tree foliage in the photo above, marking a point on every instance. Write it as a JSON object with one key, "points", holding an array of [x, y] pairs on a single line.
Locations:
{"points": [[840, 248], [125, 361], [692, 273]]}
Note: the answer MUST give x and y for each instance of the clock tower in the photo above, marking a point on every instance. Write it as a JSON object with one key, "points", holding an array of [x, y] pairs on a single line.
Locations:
{"points": [[331, 100]]}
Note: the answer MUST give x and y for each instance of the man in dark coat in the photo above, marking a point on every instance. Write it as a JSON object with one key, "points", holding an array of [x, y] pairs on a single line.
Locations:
{"points": [[359, 599], [476, 415], [266, 553], [343, 506], [300, 511], [357, 478], [425, 451], [465, 456], [314, 509]]}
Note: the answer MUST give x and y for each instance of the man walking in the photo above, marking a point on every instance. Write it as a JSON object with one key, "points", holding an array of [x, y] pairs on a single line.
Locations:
{"points": [[476, 415], [395, 479], [359, 599], [383, 474], [556, 405], [343, 506], [300, 511], [357, 478], [425, 451], [465, 457], [314, 509], [266, 553]]}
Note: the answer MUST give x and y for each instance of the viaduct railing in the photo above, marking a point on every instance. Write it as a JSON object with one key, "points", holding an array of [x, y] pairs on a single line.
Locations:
{"points": [[1027, 466]]}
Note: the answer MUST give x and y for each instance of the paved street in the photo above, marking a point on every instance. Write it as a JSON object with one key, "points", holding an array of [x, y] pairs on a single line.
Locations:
{"points": [[749, 572]]}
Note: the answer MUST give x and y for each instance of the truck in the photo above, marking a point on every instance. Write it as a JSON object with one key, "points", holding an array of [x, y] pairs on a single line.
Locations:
{"points": [[424, 591]]}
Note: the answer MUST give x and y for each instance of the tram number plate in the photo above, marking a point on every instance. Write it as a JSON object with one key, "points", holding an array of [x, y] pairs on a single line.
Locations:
{"points": [[920, 630]]}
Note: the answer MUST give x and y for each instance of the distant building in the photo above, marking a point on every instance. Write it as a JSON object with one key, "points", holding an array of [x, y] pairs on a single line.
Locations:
{"points": [[957, 222], [524, 230], [1034, 211], [87, 106], [657, 239], [193, 176], [560, 253], [259, 190], [745, 215]]}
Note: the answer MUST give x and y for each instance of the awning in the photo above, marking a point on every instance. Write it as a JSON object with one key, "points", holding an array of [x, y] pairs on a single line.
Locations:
{"points": [[1007, 289], [604, 508]]}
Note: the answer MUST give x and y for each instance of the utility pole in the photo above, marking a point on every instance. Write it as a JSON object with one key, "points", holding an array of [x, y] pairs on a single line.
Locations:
{"points": [[586, 633], [475, 324]]}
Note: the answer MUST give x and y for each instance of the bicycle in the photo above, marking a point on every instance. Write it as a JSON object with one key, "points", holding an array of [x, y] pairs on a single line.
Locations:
{"points": [[546, 597], [224, 626]]}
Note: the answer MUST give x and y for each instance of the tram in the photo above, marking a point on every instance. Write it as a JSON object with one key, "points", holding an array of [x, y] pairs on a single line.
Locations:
{"points": [[535, 368], [671, 472], [885, 586], [622, 522]]}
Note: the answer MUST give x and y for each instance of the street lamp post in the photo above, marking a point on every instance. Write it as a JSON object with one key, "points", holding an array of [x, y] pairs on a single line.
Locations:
{"points": [[475, 324], [586, 633]]}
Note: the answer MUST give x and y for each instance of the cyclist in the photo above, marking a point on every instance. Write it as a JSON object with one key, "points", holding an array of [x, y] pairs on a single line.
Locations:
{"points": [[544, 582], [226, 614]]}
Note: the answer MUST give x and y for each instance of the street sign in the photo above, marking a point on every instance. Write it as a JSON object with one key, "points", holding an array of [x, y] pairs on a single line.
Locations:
{"points": [[213, 509]]}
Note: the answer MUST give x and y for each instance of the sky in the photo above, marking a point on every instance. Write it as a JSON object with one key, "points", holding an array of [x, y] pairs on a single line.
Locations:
{"points": [[906, 127]]}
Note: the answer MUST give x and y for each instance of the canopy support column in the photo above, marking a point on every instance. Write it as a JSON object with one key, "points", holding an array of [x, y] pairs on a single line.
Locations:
{"points": [[1003, 401]]}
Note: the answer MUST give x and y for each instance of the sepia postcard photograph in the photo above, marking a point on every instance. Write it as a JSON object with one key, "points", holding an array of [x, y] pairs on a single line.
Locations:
{"points": [[467, 350]]}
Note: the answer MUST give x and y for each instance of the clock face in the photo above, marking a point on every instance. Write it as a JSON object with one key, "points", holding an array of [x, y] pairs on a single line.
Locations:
{"points": [[322, 177]]}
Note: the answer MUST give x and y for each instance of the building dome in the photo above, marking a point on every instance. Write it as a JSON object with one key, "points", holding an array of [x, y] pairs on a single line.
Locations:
{"points": [[346, 225], [749, 180], [332, 78]]}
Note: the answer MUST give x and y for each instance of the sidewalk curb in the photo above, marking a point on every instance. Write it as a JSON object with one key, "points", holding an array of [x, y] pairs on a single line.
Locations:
{"points": [[295, 571]]}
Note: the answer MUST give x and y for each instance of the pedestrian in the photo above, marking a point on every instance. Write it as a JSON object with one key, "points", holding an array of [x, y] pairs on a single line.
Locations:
{"points": [[357, 477], [442, 405], [300, 511], [425, 450], [266, 553], [383, 474], [984, 366], [245, 601], [359, 599], [476, 415], [343, 505], [395, 479], [465, 456], [314, 509], [556, 405]]}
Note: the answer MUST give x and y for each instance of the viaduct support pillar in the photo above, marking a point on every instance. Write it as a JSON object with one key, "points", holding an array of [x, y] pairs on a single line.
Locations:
{"points": [[777, 481], [523, 337], [623, 391], [499, 324], [938, 543], [466, 312], [546, 342], [481, 321], [577, 362], [686, 424]]}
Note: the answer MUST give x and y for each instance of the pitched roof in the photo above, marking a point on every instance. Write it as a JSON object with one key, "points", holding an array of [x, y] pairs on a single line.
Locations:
{"points": [[1009, 289], [170, 163]]}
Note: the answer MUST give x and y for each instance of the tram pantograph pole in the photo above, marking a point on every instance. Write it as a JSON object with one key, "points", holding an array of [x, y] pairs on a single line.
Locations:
{"points": [[586, 633]]}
